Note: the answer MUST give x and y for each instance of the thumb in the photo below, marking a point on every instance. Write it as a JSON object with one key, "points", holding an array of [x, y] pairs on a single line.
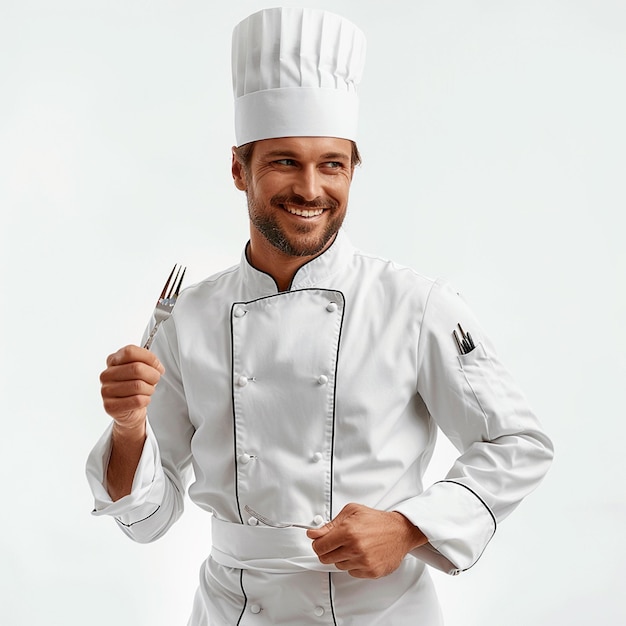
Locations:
{"points": [[316, 533]]}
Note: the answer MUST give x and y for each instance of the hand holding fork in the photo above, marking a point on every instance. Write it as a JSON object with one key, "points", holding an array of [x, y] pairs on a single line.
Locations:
{"points": [[128, 383], [131, 375]]}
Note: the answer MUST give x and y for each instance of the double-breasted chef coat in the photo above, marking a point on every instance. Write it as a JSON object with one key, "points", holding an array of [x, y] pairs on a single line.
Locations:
{"points": [[300, 402]]}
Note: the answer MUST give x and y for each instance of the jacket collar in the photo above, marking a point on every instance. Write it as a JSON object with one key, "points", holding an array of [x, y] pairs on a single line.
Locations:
{"points": [[313, 273]]}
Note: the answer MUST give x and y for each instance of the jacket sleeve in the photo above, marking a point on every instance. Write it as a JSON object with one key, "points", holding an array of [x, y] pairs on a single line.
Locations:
{"points": [[156, 498], [504, 452]]}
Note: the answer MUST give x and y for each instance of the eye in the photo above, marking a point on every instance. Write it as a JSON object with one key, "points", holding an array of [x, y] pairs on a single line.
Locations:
{"points": [[285, 162], [333, 165]]}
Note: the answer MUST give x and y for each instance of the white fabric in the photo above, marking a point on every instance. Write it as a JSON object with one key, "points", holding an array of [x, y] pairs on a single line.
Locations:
{"points": [[264, 549], [300, 402], [295, 72]]}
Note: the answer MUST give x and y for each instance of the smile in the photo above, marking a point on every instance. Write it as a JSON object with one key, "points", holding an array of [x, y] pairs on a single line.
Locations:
{"points": [[302, 212]]}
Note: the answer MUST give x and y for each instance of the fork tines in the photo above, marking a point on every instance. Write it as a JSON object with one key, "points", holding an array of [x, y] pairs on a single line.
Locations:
{"points": [[173, 285]]}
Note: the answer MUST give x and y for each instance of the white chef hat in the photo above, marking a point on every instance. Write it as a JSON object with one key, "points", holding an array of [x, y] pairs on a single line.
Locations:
{"points": [[295, 73]]}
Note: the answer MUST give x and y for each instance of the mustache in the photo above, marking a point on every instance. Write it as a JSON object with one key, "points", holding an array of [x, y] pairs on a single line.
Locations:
{"points": [[299, 201]]}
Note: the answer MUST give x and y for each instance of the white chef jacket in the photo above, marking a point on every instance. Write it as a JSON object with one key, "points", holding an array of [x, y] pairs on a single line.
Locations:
{"points": [[302, 401]]}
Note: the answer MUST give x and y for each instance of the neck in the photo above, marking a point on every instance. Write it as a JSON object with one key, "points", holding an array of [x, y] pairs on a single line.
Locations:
{"points": [[282, 267]]}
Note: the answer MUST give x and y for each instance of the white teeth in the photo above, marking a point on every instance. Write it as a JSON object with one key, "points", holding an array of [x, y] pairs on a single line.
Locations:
{"points": [[304, 212]]}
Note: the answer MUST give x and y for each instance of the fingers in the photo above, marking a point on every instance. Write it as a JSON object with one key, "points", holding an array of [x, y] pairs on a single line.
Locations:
{"points": [[337, 545], [359, 560], [135, 372], [336, 532], [365, 542], [132, 354], [128, 383], [338, 542], [326, 539]]}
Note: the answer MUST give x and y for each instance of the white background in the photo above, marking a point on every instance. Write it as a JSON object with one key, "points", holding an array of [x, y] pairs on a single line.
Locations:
{"points": [[493, 139]]}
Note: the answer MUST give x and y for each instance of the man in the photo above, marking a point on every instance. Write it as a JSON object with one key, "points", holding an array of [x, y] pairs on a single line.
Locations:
{"points": [[308, 381]]}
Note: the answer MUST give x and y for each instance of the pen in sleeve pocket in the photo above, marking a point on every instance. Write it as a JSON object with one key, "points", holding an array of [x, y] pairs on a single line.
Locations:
{"points": [[466, 343]]}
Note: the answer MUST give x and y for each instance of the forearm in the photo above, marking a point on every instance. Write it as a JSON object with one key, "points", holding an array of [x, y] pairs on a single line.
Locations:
{"points": [[410, 535], [156, 499], [125, 469], [126, 448]]}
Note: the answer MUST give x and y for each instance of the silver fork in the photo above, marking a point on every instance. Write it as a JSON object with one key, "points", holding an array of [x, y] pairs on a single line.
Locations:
{"points": [[272, 523], [166, 300]]}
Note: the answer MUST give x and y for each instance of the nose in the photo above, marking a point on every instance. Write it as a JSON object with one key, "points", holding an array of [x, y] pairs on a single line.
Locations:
{"points": [[307, 183]]}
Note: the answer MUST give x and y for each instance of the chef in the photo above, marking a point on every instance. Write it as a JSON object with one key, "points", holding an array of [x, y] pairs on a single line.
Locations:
{"points": [[309, 381]]}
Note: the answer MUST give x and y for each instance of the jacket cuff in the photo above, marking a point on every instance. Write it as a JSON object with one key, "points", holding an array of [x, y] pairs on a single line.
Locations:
{"points": [[147, 488], [456, 521]]}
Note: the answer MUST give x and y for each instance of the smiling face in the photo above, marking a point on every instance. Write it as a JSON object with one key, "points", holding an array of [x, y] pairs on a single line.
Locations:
{"points": [[297, 190]]}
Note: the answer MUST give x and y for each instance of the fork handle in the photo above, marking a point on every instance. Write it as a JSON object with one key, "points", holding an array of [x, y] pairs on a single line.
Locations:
{"points": [[304, 526], [151, 336]]}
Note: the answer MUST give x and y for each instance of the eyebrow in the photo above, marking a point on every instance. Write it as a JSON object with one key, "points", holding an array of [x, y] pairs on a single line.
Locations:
{"points": [[290, 154], [336, 155]]}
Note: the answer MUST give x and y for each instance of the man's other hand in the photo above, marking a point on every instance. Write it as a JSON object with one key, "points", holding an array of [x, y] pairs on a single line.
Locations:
{"points": [[365, 542]]}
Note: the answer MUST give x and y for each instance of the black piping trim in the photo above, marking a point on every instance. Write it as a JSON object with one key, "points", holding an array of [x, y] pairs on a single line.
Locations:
{"points": [[232, 398], [330, 597], [332, 457], [232, 377], [245, 597], [332, 442], [282, 294], [258, 270], [139, 520], [495, 523]]}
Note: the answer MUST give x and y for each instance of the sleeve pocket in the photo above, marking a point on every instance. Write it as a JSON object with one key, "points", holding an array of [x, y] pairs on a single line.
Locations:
{"points": [[489, 383]]}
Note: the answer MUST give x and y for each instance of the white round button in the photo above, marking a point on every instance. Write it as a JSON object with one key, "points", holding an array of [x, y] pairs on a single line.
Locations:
{"points": [[319, 611], [255, 608], [331, 307], [322, 380], [240, 311], [244, 458], [318, 520], [317, 457], [242, 381], [252, 521]]}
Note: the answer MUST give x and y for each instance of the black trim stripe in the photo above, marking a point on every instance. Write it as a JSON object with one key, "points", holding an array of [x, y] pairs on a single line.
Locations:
{"points": [[332, 443], [232, 399], [330, 597], [245, 597], [332, 457], [260, 271], [495, 523], [232, 377], [121, 523]]}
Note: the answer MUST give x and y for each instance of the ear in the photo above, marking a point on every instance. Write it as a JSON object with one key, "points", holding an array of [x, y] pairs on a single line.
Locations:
{"points": [[239, 175]]}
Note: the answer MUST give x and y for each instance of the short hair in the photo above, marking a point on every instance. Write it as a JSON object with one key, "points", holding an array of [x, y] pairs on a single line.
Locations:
{"points": [[244, 155]]}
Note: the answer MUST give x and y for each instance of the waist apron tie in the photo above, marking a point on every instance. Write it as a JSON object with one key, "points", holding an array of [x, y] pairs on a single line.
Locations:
{"points": [[265, 549]]}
